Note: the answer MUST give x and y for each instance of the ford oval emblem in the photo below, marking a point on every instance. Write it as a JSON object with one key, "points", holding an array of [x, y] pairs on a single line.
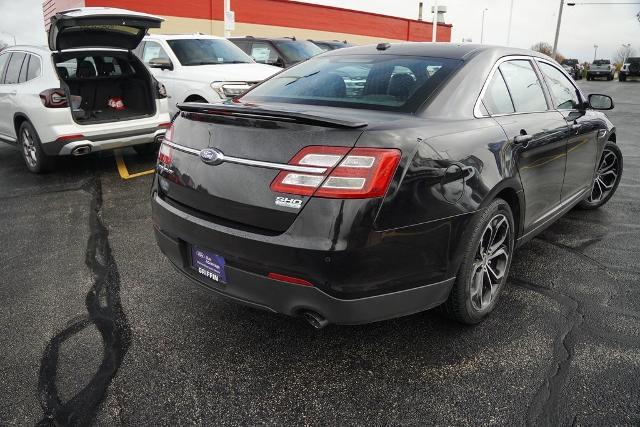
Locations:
{"points": [[211, 156]]}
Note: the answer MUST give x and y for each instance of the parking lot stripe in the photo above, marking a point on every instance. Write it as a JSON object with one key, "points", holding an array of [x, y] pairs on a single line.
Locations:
{"points": [[124, 172]]}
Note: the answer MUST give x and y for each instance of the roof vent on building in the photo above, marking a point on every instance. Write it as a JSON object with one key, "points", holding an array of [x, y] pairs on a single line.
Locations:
{"points": [[383, 46]]}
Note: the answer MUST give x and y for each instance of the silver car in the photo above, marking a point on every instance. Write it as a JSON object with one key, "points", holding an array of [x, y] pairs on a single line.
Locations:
{"points": [[86, 92]]}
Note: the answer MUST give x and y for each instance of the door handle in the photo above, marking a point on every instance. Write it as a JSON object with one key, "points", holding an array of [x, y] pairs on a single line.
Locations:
{"points": [[522, 139]]}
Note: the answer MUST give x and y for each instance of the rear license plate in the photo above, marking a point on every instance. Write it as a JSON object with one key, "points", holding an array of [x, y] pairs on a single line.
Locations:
{"points": [[208, 264]]}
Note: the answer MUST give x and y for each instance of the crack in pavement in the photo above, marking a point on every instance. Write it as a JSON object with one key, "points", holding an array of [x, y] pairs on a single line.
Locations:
{"points": [[544, 406], [105, 312]]}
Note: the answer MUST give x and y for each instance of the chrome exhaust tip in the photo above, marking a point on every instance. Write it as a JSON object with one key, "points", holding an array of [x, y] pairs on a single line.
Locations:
{"points": [[316, 320], [81, 150]]}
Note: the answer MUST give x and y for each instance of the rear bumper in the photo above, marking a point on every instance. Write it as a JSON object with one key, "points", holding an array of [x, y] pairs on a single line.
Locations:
{"points": [[108, 141], [175, 230], [278, 297]]}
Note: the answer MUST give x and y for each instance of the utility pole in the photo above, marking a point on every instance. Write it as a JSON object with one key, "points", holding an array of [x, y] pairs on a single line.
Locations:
{"points": [[482, 27], [555, 42], [509, 24], [420, 6], [595, 52], [434, 34], [228, 23]]}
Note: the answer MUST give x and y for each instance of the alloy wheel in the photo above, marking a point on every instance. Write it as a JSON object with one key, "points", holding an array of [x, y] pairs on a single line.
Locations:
{"points": [[606, 176], [29, 148], [491, 262]]}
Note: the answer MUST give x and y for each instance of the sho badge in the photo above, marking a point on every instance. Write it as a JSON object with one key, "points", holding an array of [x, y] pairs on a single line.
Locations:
{"points": [[288, 202]]}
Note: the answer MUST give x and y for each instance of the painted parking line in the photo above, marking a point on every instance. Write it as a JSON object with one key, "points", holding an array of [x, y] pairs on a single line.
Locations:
{"points": [[124, 172]]}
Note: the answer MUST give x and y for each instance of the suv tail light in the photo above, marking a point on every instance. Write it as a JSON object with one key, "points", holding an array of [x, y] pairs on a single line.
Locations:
{"points": [[359, 173], [165, 155], [54, 98]]}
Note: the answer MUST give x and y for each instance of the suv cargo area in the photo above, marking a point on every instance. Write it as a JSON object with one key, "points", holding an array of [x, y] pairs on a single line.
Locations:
{"points": [[105, 86]]}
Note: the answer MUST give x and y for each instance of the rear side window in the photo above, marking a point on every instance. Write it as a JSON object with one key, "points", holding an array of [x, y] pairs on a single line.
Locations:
{"points": [[497, 99], [3, 62], [23, 70], [524, 86], [34, 68], [562, 90], [14, 67], [376, 82]]}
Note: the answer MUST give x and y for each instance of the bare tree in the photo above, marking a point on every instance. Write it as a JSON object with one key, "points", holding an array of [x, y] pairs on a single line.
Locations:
{"points": [[623, 53], [547, 49]]}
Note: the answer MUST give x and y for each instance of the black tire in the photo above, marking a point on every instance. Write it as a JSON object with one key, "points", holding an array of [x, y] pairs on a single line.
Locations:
{"points": [[146, 149], [463, 304], [598, 197], [622, 78], [32, 153], [589, 78], [195, 98]]}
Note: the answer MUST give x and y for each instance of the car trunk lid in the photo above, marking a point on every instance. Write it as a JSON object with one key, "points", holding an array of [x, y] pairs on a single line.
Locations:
{"points": [[99, 27], [223, 159]]}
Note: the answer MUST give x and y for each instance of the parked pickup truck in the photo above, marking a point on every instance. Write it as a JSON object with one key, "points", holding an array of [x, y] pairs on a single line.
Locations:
{"points": [[630, 69], [601, 68]]}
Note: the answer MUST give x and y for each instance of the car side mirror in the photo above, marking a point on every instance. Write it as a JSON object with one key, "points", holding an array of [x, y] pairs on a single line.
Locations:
{"points": [[600, 102], [277, 62], [162, 63]]}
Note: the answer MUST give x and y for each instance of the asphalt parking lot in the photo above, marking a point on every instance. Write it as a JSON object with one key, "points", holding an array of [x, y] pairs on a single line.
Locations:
{"points": [[96, 325]]}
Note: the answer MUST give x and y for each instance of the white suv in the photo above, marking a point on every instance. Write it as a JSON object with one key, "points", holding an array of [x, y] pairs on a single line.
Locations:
{"points": [[200, 68], [87, 92]]}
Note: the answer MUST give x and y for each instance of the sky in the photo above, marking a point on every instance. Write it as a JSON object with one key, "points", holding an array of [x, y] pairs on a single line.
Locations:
{"points": [[607, 25]]}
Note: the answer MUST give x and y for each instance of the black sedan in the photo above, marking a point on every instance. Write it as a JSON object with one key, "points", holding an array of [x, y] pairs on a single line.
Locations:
{"points": [[373, 182]]}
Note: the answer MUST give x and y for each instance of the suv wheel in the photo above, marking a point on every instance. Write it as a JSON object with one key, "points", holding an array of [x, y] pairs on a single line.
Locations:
{"points": [[622, 77], [32, 153], [485, 265], [607, 178]]}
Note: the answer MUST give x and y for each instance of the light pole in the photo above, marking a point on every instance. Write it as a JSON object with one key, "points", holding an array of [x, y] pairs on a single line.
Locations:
{"points": [[595, 51], [555, 41], [509, 24], [482, 27], [434, 25]]}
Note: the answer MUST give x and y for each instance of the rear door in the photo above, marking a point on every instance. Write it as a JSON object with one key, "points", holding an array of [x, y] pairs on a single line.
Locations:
{"points": [[9, 91], [104, 27], [537, 133], [582, 130]]}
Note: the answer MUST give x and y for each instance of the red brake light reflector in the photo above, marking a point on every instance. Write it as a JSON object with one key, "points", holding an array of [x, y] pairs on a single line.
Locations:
{"points": [[289, 279], [358, 173]]}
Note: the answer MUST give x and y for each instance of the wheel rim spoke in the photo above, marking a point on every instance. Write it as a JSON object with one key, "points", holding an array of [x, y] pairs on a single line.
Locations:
{"points": [[606, 177], [490, 266]]}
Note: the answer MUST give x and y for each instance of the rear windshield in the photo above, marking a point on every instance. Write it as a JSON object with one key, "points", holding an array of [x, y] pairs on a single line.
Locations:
{"points": [[633, 59], [601, 62], [570, 62], [377, 82], [297, 51], [208, 51]]}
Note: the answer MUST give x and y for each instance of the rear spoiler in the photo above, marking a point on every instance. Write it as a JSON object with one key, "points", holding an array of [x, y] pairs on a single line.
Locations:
{"points": [[267, 114]]}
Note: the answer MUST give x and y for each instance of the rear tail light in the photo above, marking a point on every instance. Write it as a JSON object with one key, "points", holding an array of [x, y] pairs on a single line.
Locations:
{"points": [[54, 98], [358, 173], [165, 155], [72, 137]]}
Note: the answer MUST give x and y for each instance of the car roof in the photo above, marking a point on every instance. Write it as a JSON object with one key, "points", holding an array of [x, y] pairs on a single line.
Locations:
{"points": [[181, 36], [290, 39], [461, 51], [29, 48]]}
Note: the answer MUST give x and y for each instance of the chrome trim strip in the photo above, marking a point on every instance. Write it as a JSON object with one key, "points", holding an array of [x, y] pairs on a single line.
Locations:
{"points": [[250, 162]]}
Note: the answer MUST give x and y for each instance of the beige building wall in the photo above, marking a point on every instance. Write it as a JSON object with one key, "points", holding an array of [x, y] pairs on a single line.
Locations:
{"points": [[179, 25]]}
